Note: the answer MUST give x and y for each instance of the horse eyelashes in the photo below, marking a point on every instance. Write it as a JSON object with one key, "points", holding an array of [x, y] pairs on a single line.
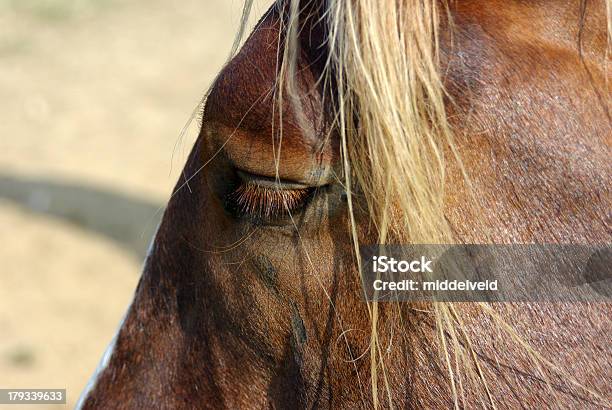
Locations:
{"points": [[254, 200]]}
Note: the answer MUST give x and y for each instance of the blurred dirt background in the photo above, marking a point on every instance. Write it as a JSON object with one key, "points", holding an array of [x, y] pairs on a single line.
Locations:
{"points": [[94, 94]]}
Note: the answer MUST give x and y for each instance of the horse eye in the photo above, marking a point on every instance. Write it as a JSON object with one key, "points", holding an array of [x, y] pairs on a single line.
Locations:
{"points": [[265, 198]]}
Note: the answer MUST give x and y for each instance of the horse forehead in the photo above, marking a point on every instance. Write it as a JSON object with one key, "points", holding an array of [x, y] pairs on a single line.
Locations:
{"points": [[245, 95]]}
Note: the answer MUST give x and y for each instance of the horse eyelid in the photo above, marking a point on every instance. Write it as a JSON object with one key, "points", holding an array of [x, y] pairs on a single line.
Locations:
{"points": [[254, 200]]}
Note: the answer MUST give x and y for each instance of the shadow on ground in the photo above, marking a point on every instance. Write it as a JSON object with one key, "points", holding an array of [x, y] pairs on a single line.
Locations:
{"points": [[128, 220]]}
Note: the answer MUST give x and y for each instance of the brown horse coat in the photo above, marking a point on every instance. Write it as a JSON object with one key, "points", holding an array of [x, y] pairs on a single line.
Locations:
{"points": [[235, 314]]}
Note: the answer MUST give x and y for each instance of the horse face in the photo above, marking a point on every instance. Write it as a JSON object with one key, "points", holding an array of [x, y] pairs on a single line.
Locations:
{"points": [[267, 229], [250, 297]]}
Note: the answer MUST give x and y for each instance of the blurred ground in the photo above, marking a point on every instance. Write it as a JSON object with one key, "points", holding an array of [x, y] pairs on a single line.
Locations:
{"points": [[93, 96]]}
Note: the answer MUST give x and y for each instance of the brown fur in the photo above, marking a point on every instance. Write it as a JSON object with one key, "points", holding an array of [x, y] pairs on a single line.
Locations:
{"points": [[231, 314]]}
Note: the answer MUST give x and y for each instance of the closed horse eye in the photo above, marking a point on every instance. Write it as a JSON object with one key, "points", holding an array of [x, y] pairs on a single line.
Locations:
{"points": [[253, 200], [262, 197]]}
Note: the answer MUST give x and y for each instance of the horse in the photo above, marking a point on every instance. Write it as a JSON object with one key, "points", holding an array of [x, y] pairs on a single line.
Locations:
{"points": [[340, 123]]}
